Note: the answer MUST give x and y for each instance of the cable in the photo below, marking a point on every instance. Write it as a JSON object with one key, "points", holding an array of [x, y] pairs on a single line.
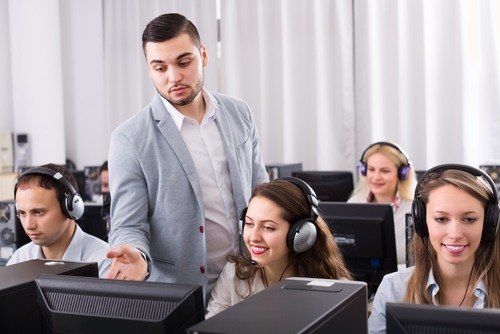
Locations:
{"points": [[468, 282], [287, 266]]}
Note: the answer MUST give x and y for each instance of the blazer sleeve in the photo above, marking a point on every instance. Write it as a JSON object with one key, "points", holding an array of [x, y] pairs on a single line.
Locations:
{"points": [[259, 173], [129, 195]]}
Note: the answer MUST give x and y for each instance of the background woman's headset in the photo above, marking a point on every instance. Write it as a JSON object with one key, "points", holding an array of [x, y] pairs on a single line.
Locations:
{"points": [[403, 170], [491, 212]]}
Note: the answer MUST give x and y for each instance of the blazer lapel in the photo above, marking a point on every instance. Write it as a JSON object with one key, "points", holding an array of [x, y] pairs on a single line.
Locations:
{"points": [[176, 142]]}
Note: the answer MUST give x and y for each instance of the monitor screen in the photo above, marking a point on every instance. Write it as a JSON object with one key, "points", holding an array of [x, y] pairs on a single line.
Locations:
{"points": [[95, 305], [95, 220], [419, 173], [79, 176], [418, 318], [365, 235], [329, 186]]}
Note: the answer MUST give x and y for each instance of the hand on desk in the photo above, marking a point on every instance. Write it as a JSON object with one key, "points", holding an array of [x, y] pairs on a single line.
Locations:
{"points": [[127, 264]]}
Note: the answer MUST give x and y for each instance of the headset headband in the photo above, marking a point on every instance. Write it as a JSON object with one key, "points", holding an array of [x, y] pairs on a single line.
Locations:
{"points": [[53, 174], [308, 192], [393, 145]]}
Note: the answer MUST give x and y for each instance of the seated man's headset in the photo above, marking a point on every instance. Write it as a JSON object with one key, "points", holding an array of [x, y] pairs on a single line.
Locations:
{"points": [[302, 233], [72, 205], [403, 170], [491, 212]]}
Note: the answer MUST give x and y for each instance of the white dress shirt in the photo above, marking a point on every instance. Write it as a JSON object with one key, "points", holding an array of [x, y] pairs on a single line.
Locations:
{"points": [[208, 153]]}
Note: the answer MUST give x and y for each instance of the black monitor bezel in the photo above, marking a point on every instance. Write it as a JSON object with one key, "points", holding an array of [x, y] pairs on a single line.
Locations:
{"points": [[447, 319], [189, 308], [362, 214], [328, 185]]}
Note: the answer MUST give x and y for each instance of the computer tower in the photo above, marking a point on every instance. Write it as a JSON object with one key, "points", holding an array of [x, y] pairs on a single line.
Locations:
{"points": [[12, 235], [19, 310], [296, 305], [95, 220], [278, 170]]}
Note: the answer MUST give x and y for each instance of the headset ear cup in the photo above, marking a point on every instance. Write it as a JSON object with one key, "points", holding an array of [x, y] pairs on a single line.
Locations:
{"points": [[418, 212], [362, 168], [491, 217], [302, 236], [403, 172], [73, 206]]}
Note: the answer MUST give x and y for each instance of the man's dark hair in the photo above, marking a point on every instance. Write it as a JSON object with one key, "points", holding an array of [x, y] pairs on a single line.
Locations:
{"points": [[168, 26]]}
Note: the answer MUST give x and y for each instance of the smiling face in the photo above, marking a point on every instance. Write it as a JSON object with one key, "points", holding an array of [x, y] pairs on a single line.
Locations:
{"points": [[382, 176], [265, 234], [455, 222], [176, 68], [41, 216]]}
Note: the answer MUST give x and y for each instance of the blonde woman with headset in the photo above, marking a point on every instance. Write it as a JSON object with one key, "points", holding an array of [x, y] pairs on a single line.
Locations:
{"points": [[387, 176]]}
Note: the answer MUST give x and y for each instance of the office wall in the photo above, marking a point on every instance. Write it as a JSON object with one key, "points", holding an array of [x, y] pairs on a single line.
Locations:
{"points": [[60, 106], [6, 115]]}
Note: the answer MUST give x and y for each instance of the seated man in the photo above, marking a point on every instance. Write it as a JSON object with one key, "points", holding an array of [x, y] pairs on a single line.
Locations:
{"points": [[48, 203]]}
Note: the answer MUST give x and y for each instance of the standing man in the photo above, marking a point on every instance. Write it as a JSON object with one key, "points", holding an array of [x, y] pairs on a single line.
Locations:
{"points": [[182, 169]]}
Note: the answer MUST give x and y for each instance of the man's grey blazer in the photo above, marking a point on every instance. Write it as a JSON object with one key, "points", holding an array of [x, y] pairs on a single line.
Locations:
{"points": [[156, 202]]}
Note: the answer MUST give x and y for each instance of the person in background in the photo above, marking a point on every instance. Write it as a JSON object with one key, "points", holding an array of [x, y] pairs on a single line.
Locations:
{"points": [[48, 203], [455, 246], [104, 177], [181, 169], [105, 197], [387, 176], [283, 236]]}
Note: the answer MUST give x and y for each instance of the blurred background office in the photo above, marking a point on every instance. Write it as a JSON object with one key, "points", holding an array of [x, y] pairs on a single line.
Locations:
{"points": [[324, 78]]}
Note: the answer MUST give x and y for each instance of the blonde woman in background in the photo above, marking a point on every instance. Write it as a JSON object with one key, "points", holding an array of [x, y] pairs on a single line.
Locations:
{"points": [[387, 176]]}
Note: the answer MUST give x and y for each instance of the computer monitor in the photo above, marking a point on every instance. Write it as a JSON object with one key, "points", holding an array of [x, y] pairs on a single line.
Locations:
{"points": [[295, 305], [97, 305], [94, 221], [419, 173], [329, 186], [365, 235], [420, 319], [19, 311], [79, 176]]}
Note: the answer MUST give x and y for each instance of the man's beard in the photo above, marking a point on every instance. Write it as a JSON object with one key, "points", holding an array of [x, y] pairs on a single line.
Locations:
{"points": [[188, 99]]}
